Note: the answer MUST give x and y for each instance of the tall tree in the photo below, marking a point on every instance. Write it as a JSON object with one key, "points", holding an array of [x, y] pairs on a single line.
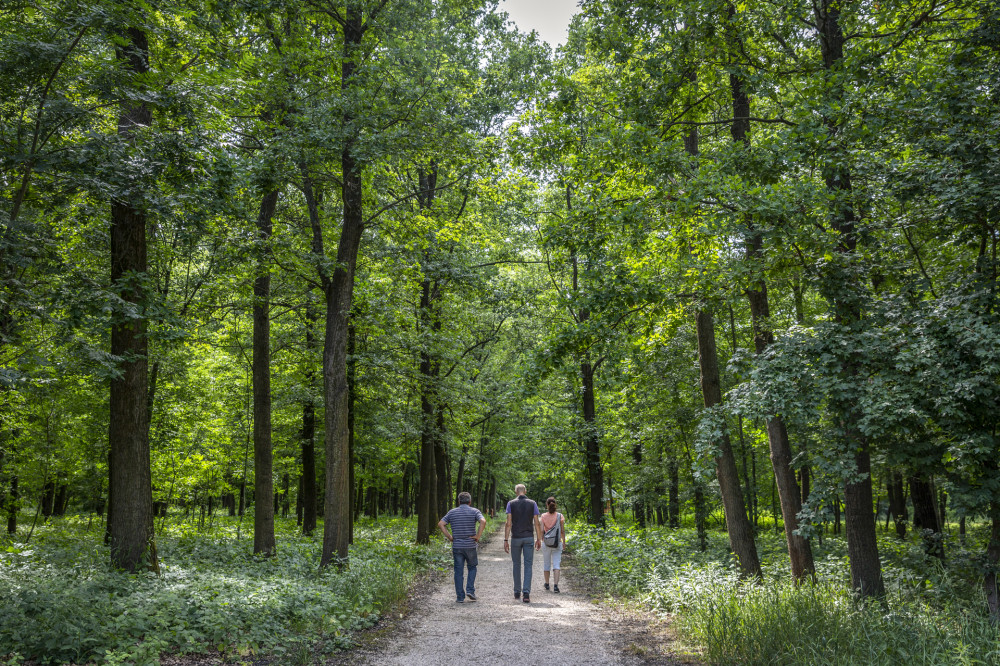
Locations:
{"points": [[130, 511]]}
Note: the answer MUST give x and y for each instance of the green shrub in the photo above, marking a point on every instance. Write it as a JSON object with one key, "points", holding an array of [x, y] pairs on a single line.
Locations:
{"points": [[933, 614], [60, 601]]}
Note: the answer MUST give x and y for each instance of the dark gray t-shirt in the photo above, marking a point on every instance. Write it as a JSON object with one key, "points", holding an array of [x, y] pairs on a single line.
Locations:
{"points": [[522, 517]]}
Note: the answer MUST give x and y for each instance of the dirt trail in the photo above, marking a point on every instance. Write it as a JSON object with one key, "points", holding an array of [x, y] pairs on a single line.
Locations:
{"points": [[554, 629]]}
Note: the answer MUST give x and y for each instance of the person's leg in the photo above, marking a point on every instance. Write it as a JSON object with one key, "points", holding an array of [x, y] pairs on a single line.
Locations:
{"points": [[459, 557], [515, 556], [472, 557], [529, 556], [556, 561], [546, 563]]}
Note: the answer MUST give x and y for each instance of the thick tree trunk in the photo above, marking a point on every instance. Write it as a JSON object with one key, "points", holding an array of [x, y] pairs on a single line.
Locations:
{"points": [[133, 544], [263, 512], [897, 503], [862, 544], [741, 535]]}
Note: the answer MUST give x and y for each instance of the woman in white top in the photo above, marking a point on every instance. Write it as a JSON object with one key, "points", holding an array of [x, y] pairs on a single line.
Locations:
{"points": [[551, 555]]}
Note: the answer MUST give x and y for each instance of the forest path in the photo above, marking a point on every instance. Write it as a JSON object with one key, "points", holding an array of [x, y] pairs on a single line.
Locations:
{"points": [[554, 629]]}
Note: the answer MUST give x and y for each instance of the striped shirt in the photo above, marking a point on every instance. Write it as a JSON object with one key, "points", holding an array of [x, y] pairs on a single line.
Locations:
{"points": [[463, 520]]}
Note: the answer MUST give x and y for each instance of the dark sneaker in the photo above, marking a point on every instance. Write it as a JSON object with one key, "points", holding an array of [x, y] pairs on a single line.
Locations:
{"points": [[459, 601], [471, 597], [555, 589], [546, 586], [527, 599], [517, 595]]}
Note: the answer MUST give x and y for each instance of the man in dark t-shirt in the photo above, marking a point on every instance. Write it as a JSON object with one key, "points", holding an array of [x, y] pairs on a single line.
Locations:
{"points": [[521, 530]]}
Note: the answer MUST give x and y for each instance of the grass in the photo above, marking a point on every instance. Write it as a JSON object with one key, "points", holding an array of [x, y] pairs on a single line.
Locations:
{"points": [[933, 613], [60, 602]]}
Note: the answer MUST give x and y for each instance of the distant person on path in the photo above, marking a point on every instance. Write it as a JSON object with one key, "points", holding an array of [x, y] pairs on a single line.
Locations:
{"points": [[519, 534], [553, 532], [464, 539]]}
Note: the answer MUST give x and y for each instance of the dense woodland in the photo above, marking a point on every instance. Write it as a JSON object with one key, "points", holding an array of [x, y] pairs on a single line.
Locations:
{"points": [[708, 264]]}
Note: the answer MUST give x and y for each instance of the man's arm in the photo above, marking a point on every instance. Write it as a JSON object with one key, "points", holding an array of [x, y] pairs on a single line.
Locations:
{"points": [[538, 534], [479, 532], [444, 530], [506, 535]]}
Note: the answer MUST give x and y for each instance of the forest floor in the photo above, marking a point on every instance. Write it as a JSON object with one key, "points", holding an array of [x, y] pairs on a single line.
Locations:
{"points": [[572, 627]]}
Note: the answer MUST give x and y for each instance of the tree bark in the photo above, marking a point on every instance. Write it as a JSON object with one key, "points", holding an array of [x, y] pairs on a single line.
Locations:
{"points": [[862, 544], [12, 506], [674, 507], [263, 512], [897, 503], [741, 536], [799, 549], [992, 563], [592, 445], [351, 396], [638, 506], [133, 543], [443, 493], [426, 504], [925, 515]]}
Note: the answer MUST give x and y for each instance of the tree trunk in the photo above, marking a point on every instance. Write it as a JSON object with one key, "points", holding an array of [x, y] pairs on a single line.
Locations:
{"points": [[925, 515], [897, 503], [799, 549], [48, 498], [308, 435], [443, 494], [740, 531], [133, 543], [263, 513], [992, 564], [12, 506], [862, 544], [61, 500], [592, 445], [638, 506], [431, 470], [674, 508], [460, 476], [700, 516], [351, 396]]}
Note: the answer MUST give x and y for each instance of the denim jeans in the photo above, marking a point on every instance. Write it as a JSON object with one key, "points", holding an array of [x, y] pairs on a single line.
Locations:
{"points": [[462, 557], [523, 547]]}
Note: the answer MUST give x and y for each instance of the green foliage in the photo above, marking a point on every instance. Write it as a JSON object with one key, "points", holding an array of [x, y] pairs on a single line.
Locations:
{"points": [[62, 604], [933, 614]]}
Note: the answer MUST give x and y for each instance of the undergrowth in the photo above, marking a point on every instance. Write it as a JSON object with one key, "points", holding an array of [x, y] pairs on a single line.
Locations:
{"points": [[933, 613], [60, 601]]}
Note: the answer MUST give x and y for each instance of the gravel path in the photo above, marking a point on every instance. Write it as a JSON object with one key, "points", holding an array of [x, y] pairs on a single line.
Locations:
{"points": [[554, 629]]}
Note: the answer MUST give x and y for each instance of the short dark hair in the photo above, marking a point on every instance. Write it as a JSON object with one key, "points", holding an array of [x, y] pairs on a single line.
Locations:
{"points": [[464, 498]]}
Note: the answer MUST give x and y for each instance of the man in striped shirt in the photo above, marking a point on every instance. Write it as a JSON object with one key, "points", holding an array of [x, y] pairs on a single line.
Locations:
{"points": [[464, 539]]}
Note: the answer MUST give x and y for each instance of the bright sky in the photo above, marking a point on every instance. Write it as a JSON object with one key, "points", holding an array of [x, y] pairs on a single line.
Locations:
{"points": [[549, 17]]}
